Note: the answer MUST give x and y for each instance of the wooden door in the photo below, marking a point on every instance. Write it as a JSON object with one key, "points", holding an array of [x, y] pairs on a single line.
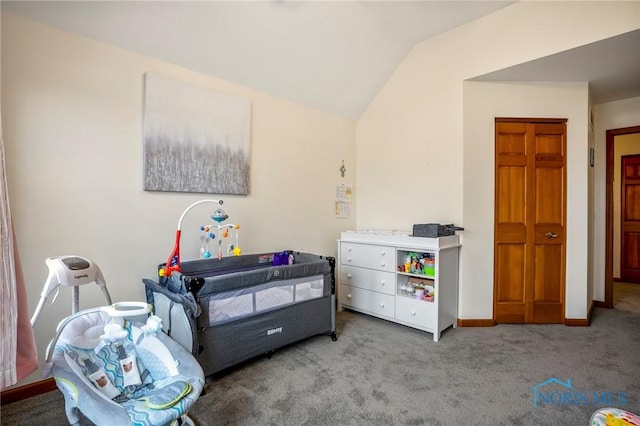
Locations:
{"points": [[630, 219], [530, 205]]}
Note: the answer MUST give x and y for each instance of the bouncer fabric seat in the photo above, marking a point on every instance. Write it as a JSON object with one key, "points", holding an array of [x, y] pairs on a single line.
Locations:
{"points": [[170, 378]]}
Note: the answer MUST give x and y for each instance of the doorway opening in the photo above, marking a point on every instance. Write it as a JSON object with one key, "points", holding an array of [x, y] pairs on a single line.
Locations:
{"points": [[630, 292]]}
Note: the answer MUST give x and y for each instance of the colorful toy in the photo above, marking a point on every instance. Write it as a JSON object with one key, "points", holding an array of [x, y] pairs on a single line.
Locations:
{"points": [[219, 216], [611, 416], [223, 232], [173, 261]]}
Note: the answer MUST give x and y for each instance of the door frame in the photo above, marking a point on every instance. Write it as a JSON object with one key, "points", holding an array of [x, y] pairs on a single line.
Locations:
{"points": [[608, 263]]}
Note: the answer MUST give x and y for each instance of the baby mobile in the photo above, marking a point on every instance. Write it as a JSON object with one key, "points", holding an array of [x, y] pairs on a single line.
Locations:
{"points": [[224, 231], [173, 261]]}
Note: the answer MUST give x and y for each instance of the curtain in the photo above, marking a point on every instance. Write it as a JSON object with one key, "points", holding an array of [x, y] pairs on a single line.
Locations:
{"points": [[19, 355]]}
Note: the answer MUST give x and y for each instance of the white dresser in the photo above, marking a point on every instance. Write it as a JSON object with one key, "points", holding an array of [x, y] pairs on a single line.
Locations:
{"points": [[408, 280]]}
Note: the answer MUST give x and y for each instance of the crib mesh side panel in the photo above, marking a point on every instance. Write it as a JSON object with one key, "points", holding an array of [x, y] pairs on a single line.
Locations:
{"points": [[236, 304], [177, 313], [175, 321]]}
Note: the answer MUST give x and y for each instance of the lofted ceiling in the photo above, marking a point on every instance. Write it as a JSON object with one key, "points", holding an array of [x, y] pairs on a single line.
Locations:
{"points": [[331, 55], [611, 66]]}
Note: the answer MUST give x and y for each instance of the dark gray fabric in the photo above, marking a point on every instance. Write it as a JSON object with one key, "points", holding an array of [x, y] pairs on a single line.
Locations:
{"points": [[223, 345], [233, 342], [245, 271], [185, 307]]}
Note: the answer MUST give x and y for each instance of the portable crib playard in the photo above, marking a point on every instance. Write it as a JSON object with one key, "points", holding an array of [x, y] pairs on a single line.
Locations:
{"points": [[229, 310]]}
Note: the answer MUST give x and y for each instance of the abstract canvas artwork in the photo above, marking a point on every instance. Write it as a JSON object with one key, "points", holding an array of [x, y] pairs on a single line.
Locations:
{"points": [[195, 139]]}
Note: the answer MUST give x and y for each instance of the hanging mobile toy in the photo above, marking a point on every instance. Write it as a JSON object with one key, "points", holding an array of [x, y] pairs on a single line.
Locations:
{"points": [[173, 262], [232, 249], [224, 231], [236, 249], [205, 238], [219, 216]]}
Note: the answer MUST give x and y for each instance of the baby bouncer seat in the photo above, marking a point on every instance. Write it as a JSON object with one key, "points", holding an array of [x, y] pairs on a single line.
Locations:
{"points": [[112, 369], [96, 351]]}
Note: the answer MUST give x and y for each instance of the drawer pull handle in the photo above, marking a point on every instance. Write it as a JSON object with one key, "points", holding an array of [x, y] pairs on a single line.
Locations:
{"points": [[348, 259], [349, 276], [413, 313], [349, 249], [382, 283], [382, 253], [551, 235], [383, 264], [382, 305], [349, 296]]}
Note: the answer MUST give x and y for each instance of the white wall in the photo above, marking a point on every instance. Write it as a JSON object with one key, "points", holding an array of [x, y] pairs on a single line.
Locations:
{"points": [[71, 116], [608, 116], [410, 141], [482, 103]]}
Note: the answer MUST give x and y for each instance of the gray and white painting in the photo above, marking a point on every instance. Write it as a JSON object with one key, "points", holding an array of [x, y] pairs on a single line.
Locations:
{"points": [[195, 139]]}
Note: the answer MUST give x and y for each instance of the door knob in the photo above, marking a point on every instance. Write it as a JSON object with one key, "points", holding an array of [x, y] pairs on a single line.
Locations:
{"points": [[551, 235]]}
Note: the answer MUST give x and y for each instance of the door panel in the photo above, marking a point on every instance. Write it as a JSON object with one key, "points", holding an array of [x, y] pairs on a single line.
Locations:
{"points": [[511, 190], [549, 205], [548, 277], [530, 212], [548, 285], [510, 291], [510, 281], [632, 196], [549, 234], [630, 220], [510, 221], [631, 243], [511, 141]]}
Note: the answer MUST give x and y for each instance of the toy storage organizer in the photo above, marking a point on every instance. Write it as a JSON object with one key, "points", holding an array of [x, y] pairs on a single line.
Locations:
{"points": [[229, 310], [408, 280]]}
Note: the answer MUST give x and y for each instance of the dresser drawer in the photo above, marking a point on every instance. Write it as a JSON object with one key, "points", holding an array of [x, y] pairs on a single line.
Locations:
{"points": [[368, 256], [417, 312], [371, 302], [368, 279]]}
